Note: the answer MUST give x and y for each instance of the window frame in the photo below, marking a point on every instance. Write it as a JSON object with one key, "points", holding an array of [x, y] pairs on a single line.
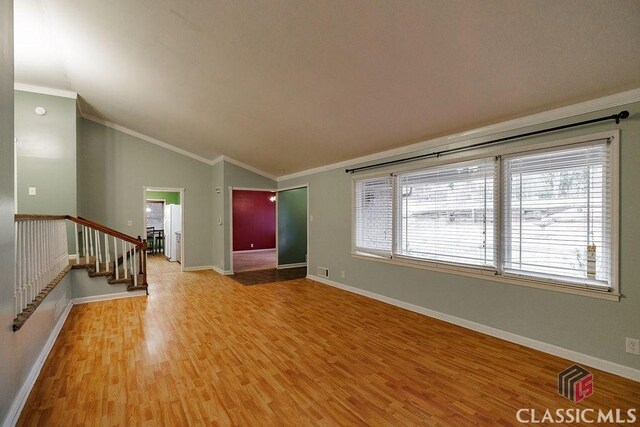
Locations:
{"points": [[496, 274], [496, 205], [357, 250]]}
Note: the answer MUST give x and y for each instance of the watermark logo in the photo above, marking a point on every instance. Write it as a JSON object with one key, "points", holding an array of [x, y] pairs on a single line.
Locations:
{"points": [[575, 383]]}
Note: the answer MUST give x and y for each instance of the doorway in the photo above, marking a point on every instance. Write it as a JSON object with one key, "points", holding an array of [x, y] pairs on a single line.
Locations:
{"points": [[164, 225], [253, 230], [291, 231]]}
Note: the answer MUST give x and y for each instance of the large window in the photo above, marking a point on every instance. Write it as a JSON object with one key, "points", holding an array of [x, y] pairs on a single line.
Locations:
{"points": [[543, 214], [446, 213], [558, 212], [373, 215]]}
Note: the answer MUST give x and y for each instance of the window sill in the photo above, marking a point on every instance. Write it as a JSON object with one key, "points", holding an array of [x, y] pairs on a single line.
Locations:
{"points": [[481, 273]]}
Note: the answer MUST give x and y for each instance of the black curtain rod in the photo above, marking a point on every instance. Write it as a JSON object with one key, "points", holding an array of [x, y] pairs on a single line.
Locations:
{"points": [[617, 117]]}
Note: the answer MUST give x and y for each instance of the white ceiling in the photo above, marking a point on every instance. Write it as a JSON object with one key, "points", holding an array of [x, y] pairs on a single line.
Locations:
{"points": [[287, 85]]}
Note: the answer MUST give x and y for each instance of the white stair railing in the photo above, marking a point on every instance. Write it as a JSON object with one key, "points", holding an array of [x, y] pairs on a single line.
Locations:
{"points": [[41, 255]]}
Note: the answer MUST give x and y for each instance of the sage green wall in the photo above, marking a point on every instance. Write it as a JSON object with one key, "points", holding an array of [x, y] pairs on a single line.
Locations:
{"points": [[9, 353], [113, 168], [292, 226], [218, 192], [18, 350], [46, 148], [237, 177], [170, 198], [587, 325]]}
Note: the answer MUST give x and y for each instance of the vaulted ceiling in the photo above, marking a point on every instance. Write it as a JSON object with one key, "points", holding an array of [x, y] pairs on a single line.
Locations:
{"points": [[286, 85]]}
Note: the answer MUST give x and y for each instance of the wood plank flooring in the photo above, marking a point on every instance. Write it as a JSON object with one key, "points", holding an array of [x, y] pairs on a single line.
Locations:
{"points": [[202, 350], [261, 277], [254, 260]]}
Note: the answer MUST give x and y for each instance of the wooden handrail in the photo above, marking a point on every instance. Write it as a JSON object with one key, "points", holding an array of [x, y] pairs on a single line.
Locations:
{"points": [[82, 221], [110, 231], [30, 217]]}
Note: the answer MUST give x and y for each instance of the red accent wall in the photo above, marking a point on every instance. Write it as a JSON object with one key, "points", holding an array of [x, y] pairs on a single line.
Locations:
{"points": [[254, 220]]}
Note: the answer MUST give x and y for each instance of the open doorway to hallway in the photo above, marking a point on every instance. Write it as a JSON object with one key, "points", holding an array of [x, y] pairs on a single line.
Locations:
{"points": [[164, 223]]}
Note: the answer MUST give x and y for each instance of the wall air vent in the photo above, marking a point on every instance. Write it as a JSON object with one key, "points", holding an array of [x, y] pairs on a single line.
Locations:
{"points": [[323, 272]]}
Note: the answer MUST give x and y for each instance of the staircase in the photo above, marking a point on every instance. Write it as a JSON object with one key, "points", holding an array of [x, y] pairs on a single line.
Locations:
{"points": [[110, 274], [43, 258]]}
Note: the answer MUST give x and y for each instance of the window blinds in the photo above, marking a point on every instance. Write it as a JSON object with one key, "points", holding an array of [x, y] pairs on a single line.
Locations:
{"points": [[557, 214], [447, 213], [373, 215]]}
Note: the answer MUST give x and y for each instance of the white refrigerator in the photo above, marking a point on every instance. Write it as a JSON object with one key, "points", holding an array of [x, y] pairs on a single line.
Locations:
{"points": [[172, 225]]}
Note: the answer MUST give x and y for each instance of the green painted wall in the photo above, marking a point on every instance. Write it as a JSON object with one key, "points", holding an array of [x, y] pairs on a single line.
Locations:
{"points": [[170, 197], [292, 226], [46, 149], [590, 326], [10, 376], [114, 168]]}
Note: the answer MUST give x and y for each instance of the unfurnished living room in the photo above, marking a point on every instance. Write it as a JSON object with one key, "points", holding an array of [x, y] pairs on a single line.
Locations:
{"points": [[337, 212]]}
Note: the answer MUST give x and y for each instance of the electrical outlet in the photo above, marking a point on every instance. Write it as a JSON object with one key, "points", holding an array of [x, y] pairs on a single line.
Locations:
{"points": [[343, 274], [252, 245], [633, 346], [129, 223]]}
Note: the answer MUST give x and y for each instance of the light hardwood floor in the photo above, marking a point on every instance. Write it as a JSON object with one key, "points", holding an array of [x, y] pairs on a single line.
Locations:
{"points": [[203, 350], [254, 260]]}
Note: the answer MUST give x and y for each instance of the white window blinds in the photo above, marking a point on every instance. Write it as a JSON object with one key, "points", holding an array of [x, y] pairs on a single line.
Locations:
{"points": [[446, 213], [557, 214], [373, 215]]}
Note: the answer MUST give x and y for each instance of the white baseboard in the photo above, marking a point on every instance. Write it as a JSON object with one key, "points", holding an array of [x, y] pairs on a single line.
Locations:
{"points": [[107, 297], [285, 266], [221, 271], [198, 268], [603, 365], [25, 390]]}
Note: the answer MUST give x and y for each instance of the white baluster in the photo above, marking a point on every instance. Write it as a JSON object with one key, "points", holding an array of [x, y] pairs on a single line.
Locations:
{"points": [[38, 248], [97, 233], [16, 278], [85, 238], [30, 259], [107, 256], [75, 234], [134, 264], [125, 252], [91, 241], [115, 256], [25, 265]]}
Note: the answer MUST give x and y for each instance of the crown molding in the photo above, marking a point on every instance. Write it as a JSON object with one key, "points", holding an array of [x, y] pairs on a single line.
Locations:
{"points": [[173, 148], [145, 138], [246, 166], [475, 135], [45, 90], [470, 136]]}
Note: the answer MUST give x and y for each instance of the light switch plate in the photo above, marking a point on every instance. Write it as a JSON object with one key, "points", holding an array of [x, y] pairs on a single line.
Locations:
{"points": [[32, 191]]}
